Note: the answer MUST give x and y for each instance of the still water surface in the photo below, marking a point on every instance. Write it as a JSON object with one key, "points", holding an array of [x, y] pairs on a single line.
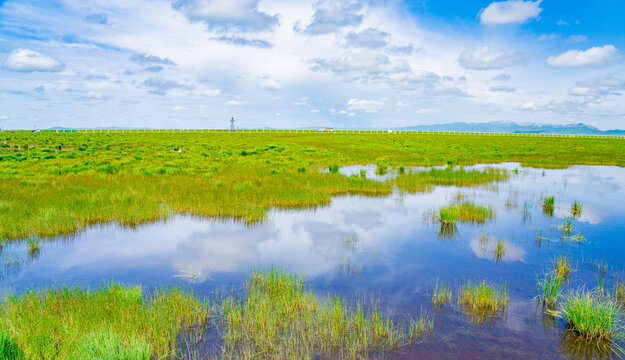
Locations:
{"points": [[397, 257]]}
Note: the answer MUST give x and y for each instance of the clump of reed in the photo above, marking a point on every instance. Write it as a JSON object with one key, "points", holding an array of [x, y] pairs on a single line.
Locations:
{"points": [[420, 326], [548, 205], [483, 301], [465, 211], [32, 246], [280, 317], [576, 208], [105, 323], [567, 226], [441, 296], [549, 287], [563, 267], [333, 168], [592, 317]]}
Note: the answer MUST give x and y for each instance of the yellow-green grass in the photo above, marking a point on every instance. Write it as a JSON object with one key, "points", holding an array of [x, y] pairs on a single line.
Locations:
{"points": [[563, 267], [420, 326], [59, 183], [465, 211], [441, 295], [280, 318], [593, 317], [114, 322], [483, 301]]}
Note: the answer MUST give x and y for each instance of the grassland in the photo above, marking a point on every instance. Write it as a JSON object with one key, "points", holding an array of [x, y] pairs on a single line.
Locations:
{"points": [[59, 183], [114, 322]]}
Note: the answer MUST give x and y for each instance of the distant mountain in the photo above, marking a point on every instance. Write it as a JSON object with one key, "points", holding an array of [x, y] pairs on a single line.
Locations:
{"points": [[517, 128], [96, 128]]}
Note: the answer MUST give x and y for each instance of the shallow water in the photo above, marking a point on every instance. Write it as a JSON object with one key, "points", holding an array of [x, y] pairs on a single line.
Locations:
{"points": [[397, 257]]}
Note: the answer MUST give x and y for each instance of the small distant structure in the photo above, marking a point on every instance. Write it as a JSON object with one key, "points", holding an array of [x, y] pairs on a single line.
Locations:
{"points": [[36, 130], [232, 127], [325, 129]]}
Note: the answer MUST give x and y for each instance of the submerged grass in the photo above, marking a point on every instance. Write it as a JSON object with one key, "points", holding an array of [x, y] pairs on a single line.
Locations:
{"points": [[281, 319], [61, 183], [114, 322], [441, 295], [576, 208]]}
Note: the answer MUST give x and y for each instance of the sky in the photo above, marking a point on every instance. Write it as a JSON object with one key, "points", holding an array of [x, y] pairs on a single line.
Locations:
{"points": [[310, 63]]}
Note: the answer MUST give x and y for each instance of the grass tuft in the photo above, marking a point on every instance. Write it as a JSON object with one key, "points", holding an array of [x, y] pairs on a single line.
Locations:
{"points": [[576, 208], [483, 301], [593, 317]]}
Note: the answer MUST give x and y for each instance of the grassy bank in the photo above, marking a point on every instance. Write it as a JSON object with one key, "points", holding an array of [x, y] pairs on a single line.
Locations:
{"points": [[114, 322], [58, 183]]}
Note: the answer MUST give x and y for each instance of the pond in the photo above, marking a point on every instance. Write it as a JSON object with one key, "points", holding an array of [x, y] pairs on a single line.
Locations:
{"points": [[378, 248]]}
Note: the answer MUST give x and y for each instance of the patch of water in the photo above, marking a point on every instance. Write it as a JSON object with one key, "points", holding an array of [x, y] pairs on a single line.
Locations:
{"points": [[364, 247]]}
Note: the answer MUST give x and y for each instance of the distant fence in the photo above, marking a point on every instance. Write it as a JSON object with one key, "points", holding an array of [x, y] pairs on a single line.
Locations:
{"points": [[307, 131]]}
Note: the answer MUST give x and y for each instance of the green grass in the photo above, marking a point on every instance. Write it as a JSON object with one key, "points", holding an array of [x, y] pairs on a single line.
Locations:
{"points": [[548, 205], [483, 301], [105, 344], [280, 318], [114, 322], [61, 183], [464, 212], [593, 317], [550, 287]]}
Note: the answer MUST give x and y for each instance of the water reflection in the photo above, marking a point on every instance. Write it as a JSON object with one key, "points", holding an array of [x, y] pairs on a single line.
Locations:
{"points": [[377, 248]]}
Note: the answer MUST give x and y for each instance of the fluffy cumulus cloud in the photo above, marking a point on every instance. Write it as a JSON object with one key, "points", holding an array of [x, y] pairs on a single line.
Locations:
{"points": [[368, 38], [331, 16], [485, 58], [595, 56], [510, 12], [26, 60], [242, 15]]}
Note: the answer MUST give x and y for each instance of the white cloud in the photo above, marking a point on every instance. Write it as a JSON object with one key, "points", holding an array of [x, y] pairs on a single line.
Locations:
{"points": [[26, 60], [485, 58], [598, 87], [235, 103], [402, 104], [212, 92], [315, 111], [510, 12], [595, 56], [270, 84], [368, 38], [370, 106], [331, 16], [242, 15]]}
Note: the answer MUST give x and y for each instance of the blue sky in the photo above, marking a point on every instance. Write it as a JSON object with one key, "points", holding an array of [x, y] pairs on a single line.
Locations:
{"points": [[288, 64]]}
